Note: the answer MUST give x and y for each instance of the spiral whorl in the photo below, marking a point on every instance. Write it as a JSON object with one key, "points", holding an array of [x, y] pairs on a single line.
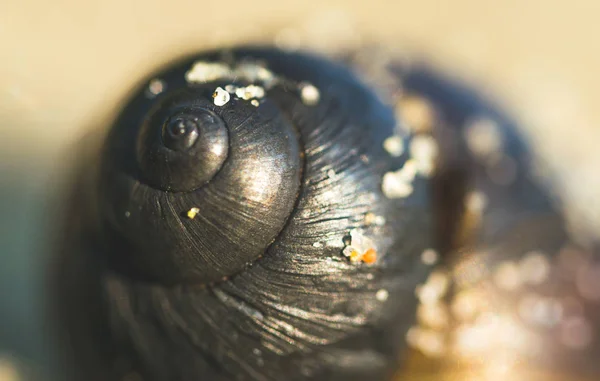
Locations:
{"points": [[246, 228], [195, 190]]}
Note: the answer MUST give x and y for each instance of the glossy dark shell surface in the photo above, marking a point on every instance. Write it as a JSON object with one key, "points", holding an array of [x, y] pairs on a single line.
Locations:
{"points": [[254, 284]]}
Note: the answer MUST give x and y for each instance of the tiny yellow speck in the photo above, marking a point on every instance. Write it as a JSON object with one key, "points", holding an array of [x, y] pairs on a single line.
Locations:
{"points": [[355, 256], [192, 213]]}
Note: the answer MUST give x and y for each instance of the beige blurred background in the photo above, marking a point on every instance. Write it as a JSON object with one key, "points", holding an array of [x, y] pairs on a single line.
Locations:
{"points": [[66, 65]]}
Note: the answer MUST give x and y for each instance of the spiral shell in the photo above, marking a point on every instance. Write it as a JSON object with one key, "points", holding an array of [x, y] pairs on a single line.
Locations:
{"points": [[264, 215], [242, 230]]}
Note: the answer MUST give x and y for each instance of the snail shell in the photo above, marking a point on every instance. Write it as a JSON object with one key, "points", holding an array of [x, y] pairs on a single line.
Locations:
{"points": [[241, 227]]}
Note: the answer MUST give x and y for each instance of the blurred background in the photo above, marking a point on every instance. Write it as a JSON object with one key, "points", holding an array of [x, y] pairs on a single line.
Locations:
{"points": [[67, 65]]}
